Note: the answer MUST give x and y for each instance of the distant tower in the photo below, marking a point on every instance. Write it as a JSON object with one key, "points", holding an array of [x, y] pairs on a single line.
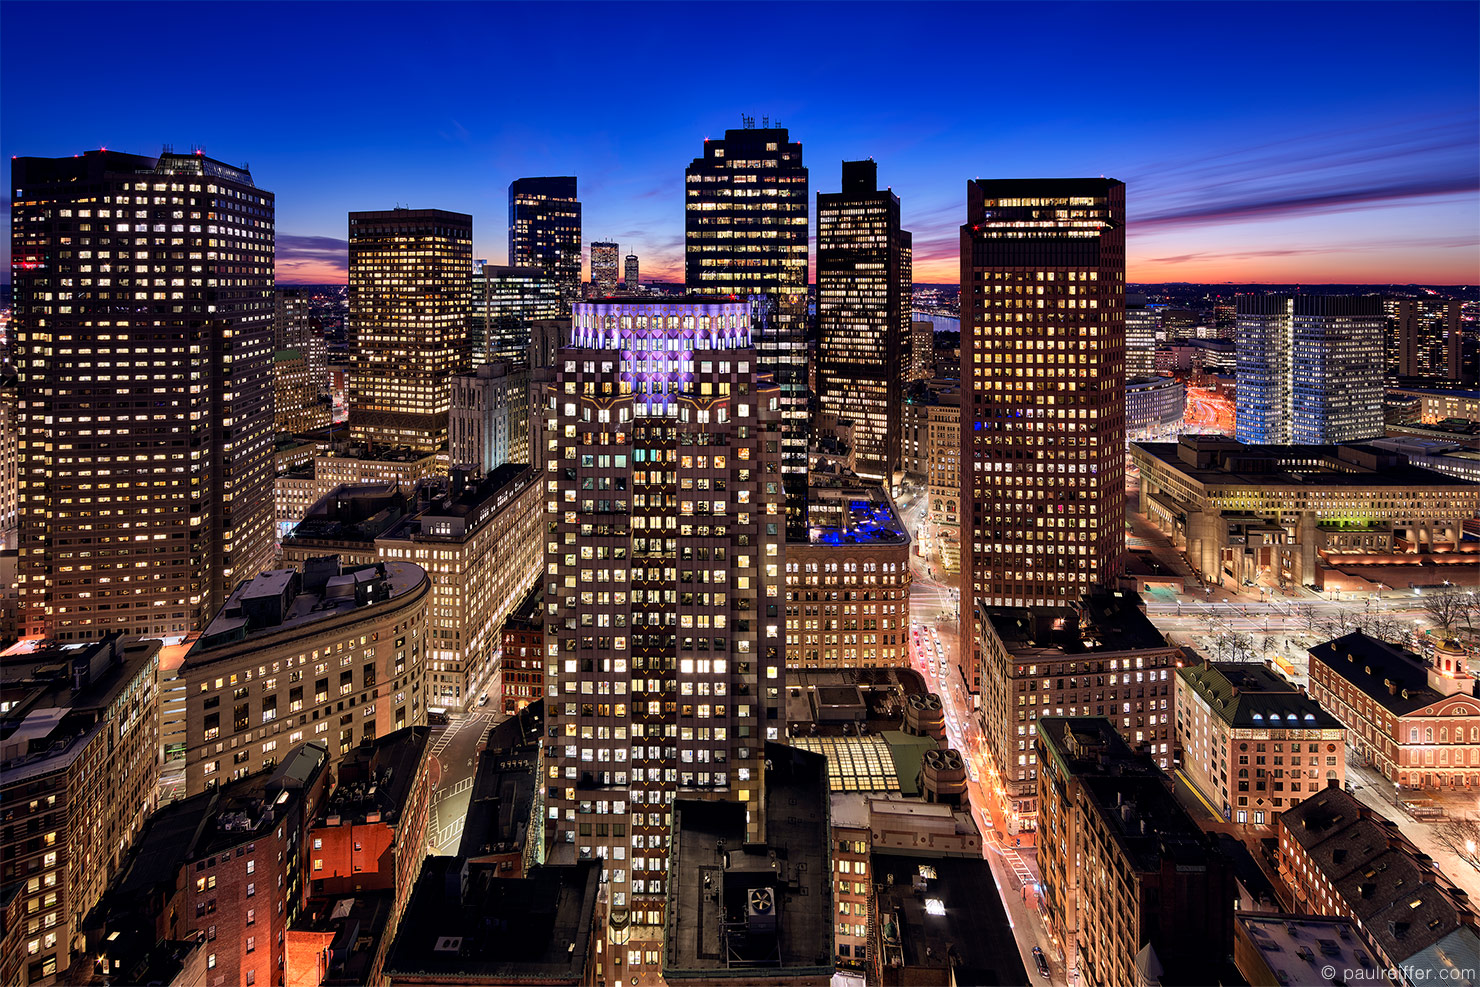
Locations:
{"points": [[604, 267], [410, 274], [733, 247], [545, 230], [630, 272], [863, 314]]}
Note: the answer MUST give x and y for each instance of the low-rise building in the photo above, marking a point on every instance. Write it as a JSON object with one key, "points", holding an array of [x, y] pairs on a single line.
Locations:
{"points": [[1134, 892], [847, 585], [1417, 722], [467, 924], [757, 910], [1280, 950], [1102, 658], [1154, 407], [1436, 405], [939, 923], [1276, 513], [79, 763], [1252, 743], [224, 866], [337, 655], [522, 667], [1340, 858]]}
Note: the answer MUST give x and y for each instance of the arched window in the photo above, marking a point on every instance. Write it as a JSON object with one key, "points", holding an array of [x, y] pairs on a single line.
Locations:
{"points": [[1443, 735], [1413, 735], [1428, 735]]}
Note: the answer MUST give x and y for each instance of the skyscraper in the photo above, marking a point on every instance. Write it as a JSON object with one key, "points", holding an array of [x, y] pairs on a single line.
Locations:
{"points": [[295, 328], [604, 267], [666, 649], [143, 315], [1043, 390], [629, 272], [1310, 368], [505, 301], [1428, 343], [545, 230], [863, 313], [745, 233], [409, 303], [1141, 323]]}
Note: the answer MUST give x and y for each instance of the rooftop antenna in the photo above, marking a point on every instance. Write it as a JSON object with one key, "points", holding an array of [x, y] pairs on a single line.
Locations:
{"points": [[746, 121], [765, 122]]}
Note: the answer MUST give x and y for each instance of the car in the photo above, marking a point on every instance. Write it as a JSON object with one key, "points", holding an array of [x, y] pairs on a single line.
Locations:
{"points": [[1040, 961], [483, 699]]}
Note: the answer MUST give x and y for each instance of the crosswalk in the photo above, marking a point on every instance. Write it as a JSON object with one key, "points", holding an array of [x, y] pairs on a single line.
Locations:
{"points": [[443, 794], [1019, 868]]}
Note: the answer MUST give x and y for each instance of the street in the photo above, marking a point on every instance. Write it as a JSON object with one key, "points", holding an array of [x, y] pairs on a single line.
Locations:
{"points": [[455, 746]]}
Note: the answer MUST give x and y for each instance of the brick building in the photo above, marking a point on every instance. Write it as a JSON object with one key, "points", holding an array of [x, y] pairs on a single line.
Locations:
{"points": [[522, 667]]}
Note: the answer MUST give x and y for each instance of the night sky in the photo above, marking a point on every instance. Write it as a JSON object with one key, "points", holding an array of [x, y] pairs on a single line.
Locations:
{"points": [[1259, 142]]}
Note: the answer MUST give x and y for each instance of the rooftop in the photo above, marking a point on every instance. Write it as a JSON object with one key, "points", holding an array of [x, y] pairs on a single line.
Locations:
{"points": [[281, 600], [943, 915], [746, 910], [1396, 678], [357, 925], [449, 511], [1103, 623], [1243, 694], [853, 513], [1296, 947], [467, 925], [1223, 461], [354, 512], [375, 779], [54, 699]]}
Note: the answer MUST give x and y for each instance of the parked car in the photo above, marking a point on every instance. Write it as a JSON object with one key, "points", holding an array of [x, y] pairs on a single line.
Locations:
{"points": [[1040, 961]]}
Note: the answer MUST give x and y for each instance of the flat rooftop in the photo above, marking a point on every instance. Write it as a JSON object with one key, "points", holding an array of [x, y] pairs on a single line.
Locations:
{"points": [[749, 911], [1222, 461], [855, 514], [1297, 947], [1103, 623], [944, 915], [375, 778]]}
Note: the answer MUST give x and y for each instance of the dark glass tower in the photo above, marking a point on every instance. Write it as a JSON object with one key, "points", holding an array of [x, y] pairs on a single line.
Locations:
{"points": [[863, 313], [545, 230], [1043, 390], [144, 325], [745, 233]]}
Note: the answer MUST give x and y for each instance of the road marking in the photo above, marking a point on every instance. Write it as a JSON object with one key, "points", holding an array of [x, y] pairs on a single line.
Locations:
{"points": [[1188, 782]]}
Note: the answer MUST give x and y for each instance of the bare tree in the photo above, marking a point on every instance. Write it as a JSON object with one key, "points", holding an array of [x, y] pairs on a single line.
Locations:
{"points": [[1447, 607], [1461, 835]]}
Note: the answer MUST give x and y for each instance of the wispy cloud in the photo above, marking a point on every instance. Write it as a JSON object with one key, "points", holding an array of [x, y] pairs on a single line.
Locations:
{"points": [[311, 259], [1301, 203]]}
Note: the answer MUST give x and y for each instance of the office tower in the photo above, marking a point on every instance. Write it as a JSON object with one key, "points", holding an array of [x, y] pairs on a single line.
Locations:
{"points": [[489, 421], [1043, 395], [296, 408], [1140, 338], [182, 365], [922, 349], [629, 272], [666, 663], [1310, 368], [745, 233], [506, 300], [1428, 341], [294, 327], [332, 634], [80, 763], [604, 267], [409, 302], [863, 313], [545, 230]]}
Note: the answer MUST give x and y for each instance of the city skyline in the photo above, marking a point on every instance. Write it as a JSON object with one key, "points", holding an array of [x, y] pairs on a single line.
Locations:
{"points": [[1324, 175]]}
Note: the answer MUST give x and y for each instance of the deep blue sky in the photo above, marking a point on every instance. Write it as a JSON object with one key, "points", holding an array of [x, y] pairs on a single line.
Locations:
{"points": [[1280, 142]]}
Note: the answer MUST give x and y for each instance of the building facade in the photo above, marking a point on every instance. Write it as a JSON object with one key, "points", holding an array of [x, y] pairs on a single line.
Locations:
{"points": [[522, 666], [848, 584], [1416, 722], [1142, 322], [666, 666], [1428, 344], [410, 273], [604, 275], [1154, 407], [328, 656], [108, 544], [79, 762], [1310, 368], [1133, 891], [297, 408], [1043, 396], [505, 301], [1252, 744], [1273, 514], [294, 327], [863, 314], [489, 420], [545, 230], [1102, 658], [629, 273], [745, 233], [922, 349]]}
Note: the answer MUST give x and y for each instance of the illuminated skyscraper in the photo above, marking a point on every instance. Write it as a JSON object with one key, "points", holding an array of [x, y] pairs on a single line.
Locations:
{"points": [[1141, 323], [545, 230], [1310, 368], [604, 267], [1428, 343], [1043, 390], [629, 272], [505, 301], [295, 328], [863, 313], [745, 233], [144, 323], [665, 641], [409, 303]]}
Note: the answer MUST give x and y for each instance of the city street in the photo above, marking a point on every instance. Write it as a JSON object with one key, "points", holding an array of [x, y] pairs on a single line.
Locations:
{"points": [[455, 746]]}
